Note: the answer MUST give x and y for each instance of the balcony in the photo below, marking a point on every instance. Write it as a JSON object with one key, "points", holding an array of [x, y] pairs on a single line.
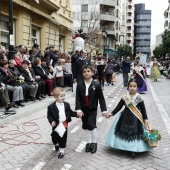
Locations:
{"points": [[129, 17], [129, 31], [107, 2], [130, 3], [110, 30], [107, 16], [45, 6], [130, 10]]}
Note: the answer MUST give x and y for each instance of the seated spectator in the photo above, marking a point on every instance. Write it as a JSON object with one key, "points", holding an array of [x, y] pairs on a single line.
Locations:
{"points": [[17, 58], [42, 71], [9, 80], [29, 79], [41, 84], [19, 79], [4, 97]]}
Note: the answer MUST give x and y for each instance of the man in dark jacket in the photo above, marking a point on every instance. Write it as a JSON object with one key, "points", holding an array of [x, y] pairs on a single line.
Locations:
{"points": [[53, 56], [126, 64]]}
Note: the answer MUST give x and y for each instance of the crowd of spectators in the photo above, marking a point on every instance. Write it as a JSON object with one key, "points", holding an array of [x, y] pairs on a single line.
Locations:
{"points": [[32, 74]]}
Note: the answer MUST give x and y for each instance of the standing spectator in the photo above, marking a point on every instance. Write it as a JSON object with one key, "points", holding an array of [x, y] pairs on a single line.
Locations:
{"points": [[53, 56], [109, 72], [80, 62], [68, 80], [126, 64], [58, 73], [74, 57], [100, 66]]}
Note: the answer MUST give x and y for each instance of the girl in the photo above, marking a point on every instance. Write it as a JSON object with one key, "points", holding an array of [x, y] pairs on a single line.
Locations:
{"points": [[59, 72], [155, 73], [128, 128]]}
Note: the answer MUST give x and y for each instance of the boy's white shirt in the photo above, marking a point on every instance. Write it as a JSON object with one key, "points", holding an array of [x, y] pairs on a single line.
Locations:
{"points": [[60, 129], [86, 93]]}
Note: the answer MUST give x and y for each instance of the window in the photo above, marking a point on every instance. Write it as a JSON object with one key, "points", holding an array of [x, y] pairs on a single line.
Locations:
{"points": [[84, 23], [35, 33], [84, 8]]}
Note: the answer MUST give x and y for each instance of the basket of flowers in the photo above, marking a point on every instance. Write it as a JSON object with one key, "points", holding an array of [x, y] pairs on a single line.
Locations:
{"points": [[152, 137]]}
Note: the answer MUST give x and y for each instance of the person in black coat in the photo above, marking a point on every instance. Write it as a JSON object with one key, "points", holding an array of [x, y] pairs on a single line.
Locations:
{"points": [[88, 94], [59, 115], [80, 62]]}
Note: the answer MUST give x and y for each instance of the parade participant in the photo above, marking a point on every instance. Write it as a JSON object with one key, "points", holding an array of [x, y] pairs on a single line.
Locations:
{"points": [[139, 75], [100, 66], [59, 115], [128, 128], [88, 94], [155, 73]]}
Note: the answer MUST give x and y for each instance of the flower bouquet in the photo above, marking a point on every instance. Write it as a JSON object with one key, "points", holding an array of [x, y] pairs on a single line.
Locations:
{"points": [[152, 137]]}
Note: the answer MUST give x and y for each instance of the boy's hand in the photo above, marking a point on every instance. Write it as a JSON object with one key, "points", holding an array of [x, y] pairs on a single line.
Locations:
{"points": [[80, 114], [107, 115], [53, 124]]}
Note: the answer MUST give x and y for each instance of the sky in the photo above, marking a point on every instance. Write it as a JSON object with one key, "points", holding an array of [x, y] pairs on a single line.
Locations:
{"points": [[157, 21]]}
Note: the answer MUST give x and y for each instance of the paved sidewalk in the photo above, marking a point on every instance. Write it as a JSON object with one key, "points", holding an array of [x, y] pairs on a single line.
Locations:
{"points": [[31, 128]]}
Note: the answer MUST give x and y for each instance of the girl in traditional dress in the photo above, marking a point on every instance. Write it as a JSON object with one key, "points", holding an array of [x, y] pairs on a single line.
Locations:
{"points": [[139, 75], [127, 131], [155, 73]]}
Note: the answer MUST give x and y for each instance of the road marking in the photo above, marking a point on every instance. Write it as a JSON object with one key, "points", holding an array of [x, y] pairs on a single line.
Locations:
{"points": [[39, 166], [113, 101], [106, 97], [66, 167], [81, 146], [115, 97], [117, 94], [100, 119], [109, 94], [110, 105], [162, 111], [74, 130]]}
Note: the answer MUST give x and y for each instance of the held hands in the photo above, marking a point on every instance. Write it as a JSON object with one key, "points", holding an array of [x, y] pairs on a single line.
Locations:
{"points": [[80, 114], [107, 115], [53, 124]]}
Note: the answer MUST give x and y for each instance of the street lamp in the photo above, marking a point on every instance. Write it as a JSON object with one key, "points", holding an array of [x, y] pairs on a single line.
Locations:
{"points": [[104, 33], [11, 36]]}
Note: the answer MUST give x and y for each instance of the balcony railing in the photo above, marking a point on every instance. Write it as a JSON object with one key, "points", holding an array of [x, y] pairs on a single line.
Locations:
{"points": [[107, 17], [109, 29], [108, 2]]}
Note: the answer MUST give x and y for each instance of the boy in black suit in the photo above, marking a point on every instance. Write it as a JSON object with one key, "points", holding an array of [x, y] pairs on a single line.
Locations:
{"points": [[59, 115], [88, 94]]}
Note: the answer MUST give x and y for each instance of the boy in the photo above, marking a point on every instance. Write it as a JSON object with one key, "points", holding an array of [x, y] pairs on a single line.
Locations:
{"points": [[87, 95], [59, 114]]}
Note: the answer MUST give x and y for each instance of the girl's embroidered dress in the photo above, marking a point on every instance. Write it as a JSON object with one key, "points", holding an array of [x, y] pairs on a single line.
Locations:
{"points": [[139, 72], [155, 73], [127, 130]]}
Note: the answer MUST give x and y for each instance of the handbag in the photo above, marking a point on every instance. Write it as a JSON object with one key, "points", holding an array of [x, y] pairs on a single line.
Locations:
{"points": [[18, 82]]}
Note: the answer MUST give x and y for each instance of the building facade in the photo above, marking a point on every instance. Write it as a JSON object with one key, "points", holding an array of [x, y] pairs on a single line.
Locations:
{"points": [[167, 18], [127, 27], [96, 17], [142, 30], [46, 22]]}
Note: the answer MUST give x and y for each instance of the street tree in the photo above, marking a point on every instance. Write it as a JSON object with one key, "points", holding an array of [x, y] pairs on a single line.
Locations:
{"points": [[125, 50]]}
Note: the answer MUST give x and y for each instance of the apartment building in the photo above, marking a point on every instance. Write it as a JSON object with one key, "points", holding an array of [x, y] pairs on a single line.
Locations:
{"points": [[46, 22], [167, 18], [127, 27], [142, 30], [100, 19]]}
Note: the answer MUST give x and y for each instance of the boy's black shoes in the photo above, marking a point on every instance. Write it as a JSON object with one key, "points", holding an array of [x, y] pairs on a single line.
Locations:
{"points": [[88, 148], [56, 147], [60, 155], [93, 147]]}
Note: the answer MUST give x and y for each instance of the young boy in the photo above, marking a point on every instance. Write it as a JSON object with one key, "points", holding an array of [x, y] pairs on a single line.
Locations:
{"points": [[87, 95], [59, 114]]}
